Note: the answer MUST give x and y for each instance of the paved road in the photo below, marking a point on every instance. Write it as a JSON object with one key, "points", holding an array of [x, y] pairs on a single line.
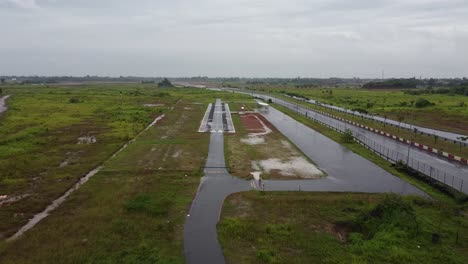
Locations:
{"points": [[200, 236], [346, 171], [430, 131], [450, 167]]}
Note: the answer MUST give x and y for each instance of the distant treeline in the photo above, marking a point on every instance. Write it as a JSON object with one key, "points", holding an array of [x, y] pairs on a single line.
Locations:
{"points": [[461, 90], [444, 85], [393, 84]]}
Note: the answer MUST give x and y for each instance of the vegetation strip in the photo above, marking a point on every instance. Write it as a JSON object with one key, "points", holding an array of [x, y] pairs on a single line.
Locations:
{"points": [[301, 227]]}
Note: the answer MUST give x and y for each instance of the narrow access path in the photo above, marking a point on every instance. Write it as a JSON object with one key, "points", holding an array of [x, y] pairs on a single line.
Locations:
{"points": [[346, 170]]}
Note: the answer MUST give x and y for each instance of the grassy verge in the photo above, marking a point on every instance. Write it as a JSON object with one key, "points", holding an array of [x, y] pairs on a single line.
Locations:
{"points": [[364, 152], [299, 227], [134, 209]]}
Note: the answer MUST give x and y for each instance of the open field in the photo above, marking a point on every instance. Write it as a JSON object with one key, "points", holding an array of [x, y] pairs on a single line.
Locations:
{"points": [[300, 227], [40, 135], [46, 139], [133, 210]]}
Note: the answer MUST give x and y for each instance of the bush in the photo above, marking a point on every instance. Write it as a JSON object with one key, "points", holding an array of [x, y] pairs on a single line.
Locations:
{"points": [[347, 136], [165, 83], [74, 100], [421, 102]]}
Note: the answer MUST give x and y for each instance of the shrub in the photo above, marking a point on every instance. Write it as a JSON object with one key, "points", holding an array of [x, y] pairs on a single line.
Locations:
{"points": [[74, 100], [347, 136], [421, 102]]}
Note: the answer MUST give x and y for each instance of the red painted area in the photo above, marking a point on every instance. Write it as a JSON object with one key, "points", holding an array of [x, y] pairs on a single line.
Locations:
{"points": [[252, 124]]}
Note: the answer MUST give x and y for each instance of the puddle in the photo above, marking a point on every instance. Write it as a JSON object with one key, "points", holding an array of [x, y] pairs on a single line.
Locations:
{"points": [[294, 166], [3, 106], [153, 105], [177, 154], [5, 199], [87, 140]]}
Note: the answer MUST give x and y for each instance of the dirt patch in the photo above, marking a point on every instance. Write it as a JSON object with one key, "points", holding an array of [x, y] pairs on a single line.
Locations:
{"points": [[177, 154], [6, 199], [340, 230], [257, 128], [87, 140], [255, 123], [293, 166]]}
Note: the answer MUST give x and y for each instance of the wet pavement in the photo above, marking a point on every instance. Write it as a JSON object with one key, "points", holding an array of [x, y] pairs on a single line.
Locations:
{"points": [[346, 171], [429, 131], [449, 167], [3, 106]]}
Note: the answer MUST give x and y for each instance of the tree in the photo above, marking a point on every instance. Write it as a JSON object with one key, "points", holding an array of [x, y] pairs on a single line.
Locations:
{"points": [[347, 136], [165, 83], [462, 139], [2, 80], [400, 118]]}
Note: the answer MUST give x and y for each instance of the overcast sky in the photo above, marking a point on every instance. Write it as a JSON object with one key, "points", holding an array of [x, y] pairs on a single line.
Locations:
{"points": [[251, 38]]}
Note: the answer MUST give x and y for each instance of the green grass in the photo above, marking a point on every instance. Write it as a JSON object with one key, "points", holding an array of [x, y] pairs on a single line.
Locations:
{"points": [[376, 159], [41, 128], [134, 209], [301, 227]]}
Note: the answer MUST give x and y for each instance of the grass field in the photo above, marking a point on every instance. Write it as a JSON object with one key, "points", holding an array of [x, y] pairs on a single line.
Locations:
{"points": [[300, 227], [39, 135], [134, 209]]}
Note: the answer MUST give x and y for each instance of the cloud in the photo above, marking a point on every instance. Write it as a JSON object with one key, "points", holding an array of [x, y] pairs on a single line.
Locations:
{"points": [[235, 37], [28, 4]]}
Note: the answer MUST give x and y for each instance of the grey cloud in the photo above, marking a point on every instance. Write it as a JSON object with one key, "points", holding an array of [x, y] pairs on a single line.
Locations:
{"points": [[235, 38]]}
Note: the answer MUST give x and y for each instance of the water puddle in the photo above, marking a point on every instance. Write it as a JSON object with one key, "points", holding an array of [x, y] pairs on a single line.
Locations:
{"points": [[5, 199], [3, 106], [87, 140]]}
